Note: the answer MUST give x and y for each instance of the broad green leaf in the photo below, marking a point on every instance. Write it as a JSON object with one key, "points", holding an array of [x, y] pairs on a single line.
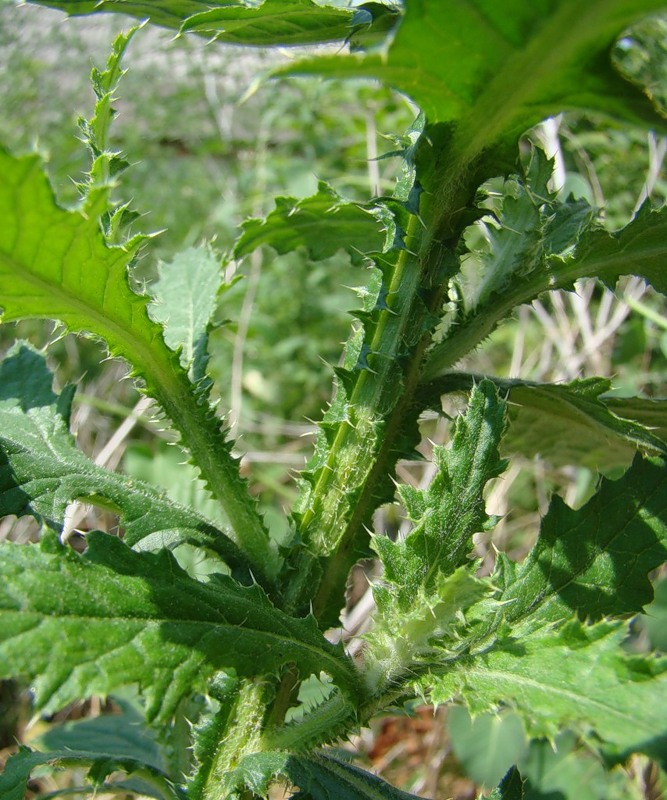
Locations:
{"points": [[451, 510], [655, 618], [593, 561], [42, 471], [318, 775], [17, 771], [496, 71], [486, 745], [574, 677], [185, 298], [270, 23], [77, 625], [56, 264], [569, 423], [323, 224]]}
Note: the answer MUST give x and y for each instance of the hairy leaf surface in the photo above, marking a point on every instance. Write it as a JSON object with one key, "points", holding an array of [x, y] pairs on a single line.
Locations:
{"points": [[81, 625], [42, 471], [572, 677]]}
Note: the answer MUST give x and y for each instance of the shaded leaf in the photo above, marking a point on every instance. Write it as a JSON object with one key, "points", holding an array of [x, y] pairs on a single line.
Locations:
{"points": [[17, 771], [511, 787], [593, 561], [81, 625], [569, 423]]}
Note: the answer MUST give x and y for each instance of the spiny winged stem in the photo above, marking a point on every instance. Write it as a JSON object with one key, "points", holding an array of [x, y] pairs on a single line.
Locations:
{"points": [[372, 422]]}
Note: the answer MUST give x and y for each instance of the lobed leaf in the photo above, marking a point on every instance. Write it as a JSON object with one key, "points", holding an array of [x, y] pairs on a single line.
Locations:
{"points": [[451, 510], [323, 224], [184, 300], [78, 625], [575, 676], [56, 264], [42, 471], [593, 561]]}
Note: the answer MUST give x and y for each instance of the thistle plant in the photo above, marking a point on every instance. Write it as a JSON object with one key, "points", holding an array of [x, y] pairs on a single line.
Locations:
{"points": [[474, 229]]}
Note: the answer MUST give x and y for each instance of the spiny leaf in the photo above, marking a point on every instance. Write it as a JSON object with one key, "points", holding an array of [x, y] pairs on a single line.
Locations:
{"points": [[81, 625], [271, 23], [496, 72], [56, 264], [568, 423], [323, 224], [593, 561], [185, 298], [576, 677], [42, 471], [451, 510], [19, 767]]}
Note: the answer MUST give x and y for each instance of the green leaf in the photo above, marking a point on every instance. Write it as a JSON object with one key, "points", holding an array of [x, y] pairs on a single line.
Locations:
{"points": [[42, 471], [568, 423], [271, 23], [56, 264], [81, 625], [452, 509], [486, 745], [17, 771], [497, 71], [123, 735], [593, 561], [274, 22], [574, 677], [185, 298], [318, 775], [323, 224]]}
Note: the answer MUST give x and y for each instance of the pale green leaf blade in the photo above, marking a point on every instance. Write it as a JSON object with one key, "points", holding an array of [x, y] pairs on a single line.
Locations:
{"points": [[569, 423], [452, 509], [184, 301], [574, 677], [593, 561], [322, 223], [19, 767], [56, 264], [497, 71], [77, 625], [42, 471]]}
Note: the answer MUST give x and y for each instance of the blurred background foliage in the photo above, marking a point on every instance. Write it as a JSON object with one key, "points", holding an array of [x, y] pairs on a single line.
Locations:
{"points": [[210, 146]]}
